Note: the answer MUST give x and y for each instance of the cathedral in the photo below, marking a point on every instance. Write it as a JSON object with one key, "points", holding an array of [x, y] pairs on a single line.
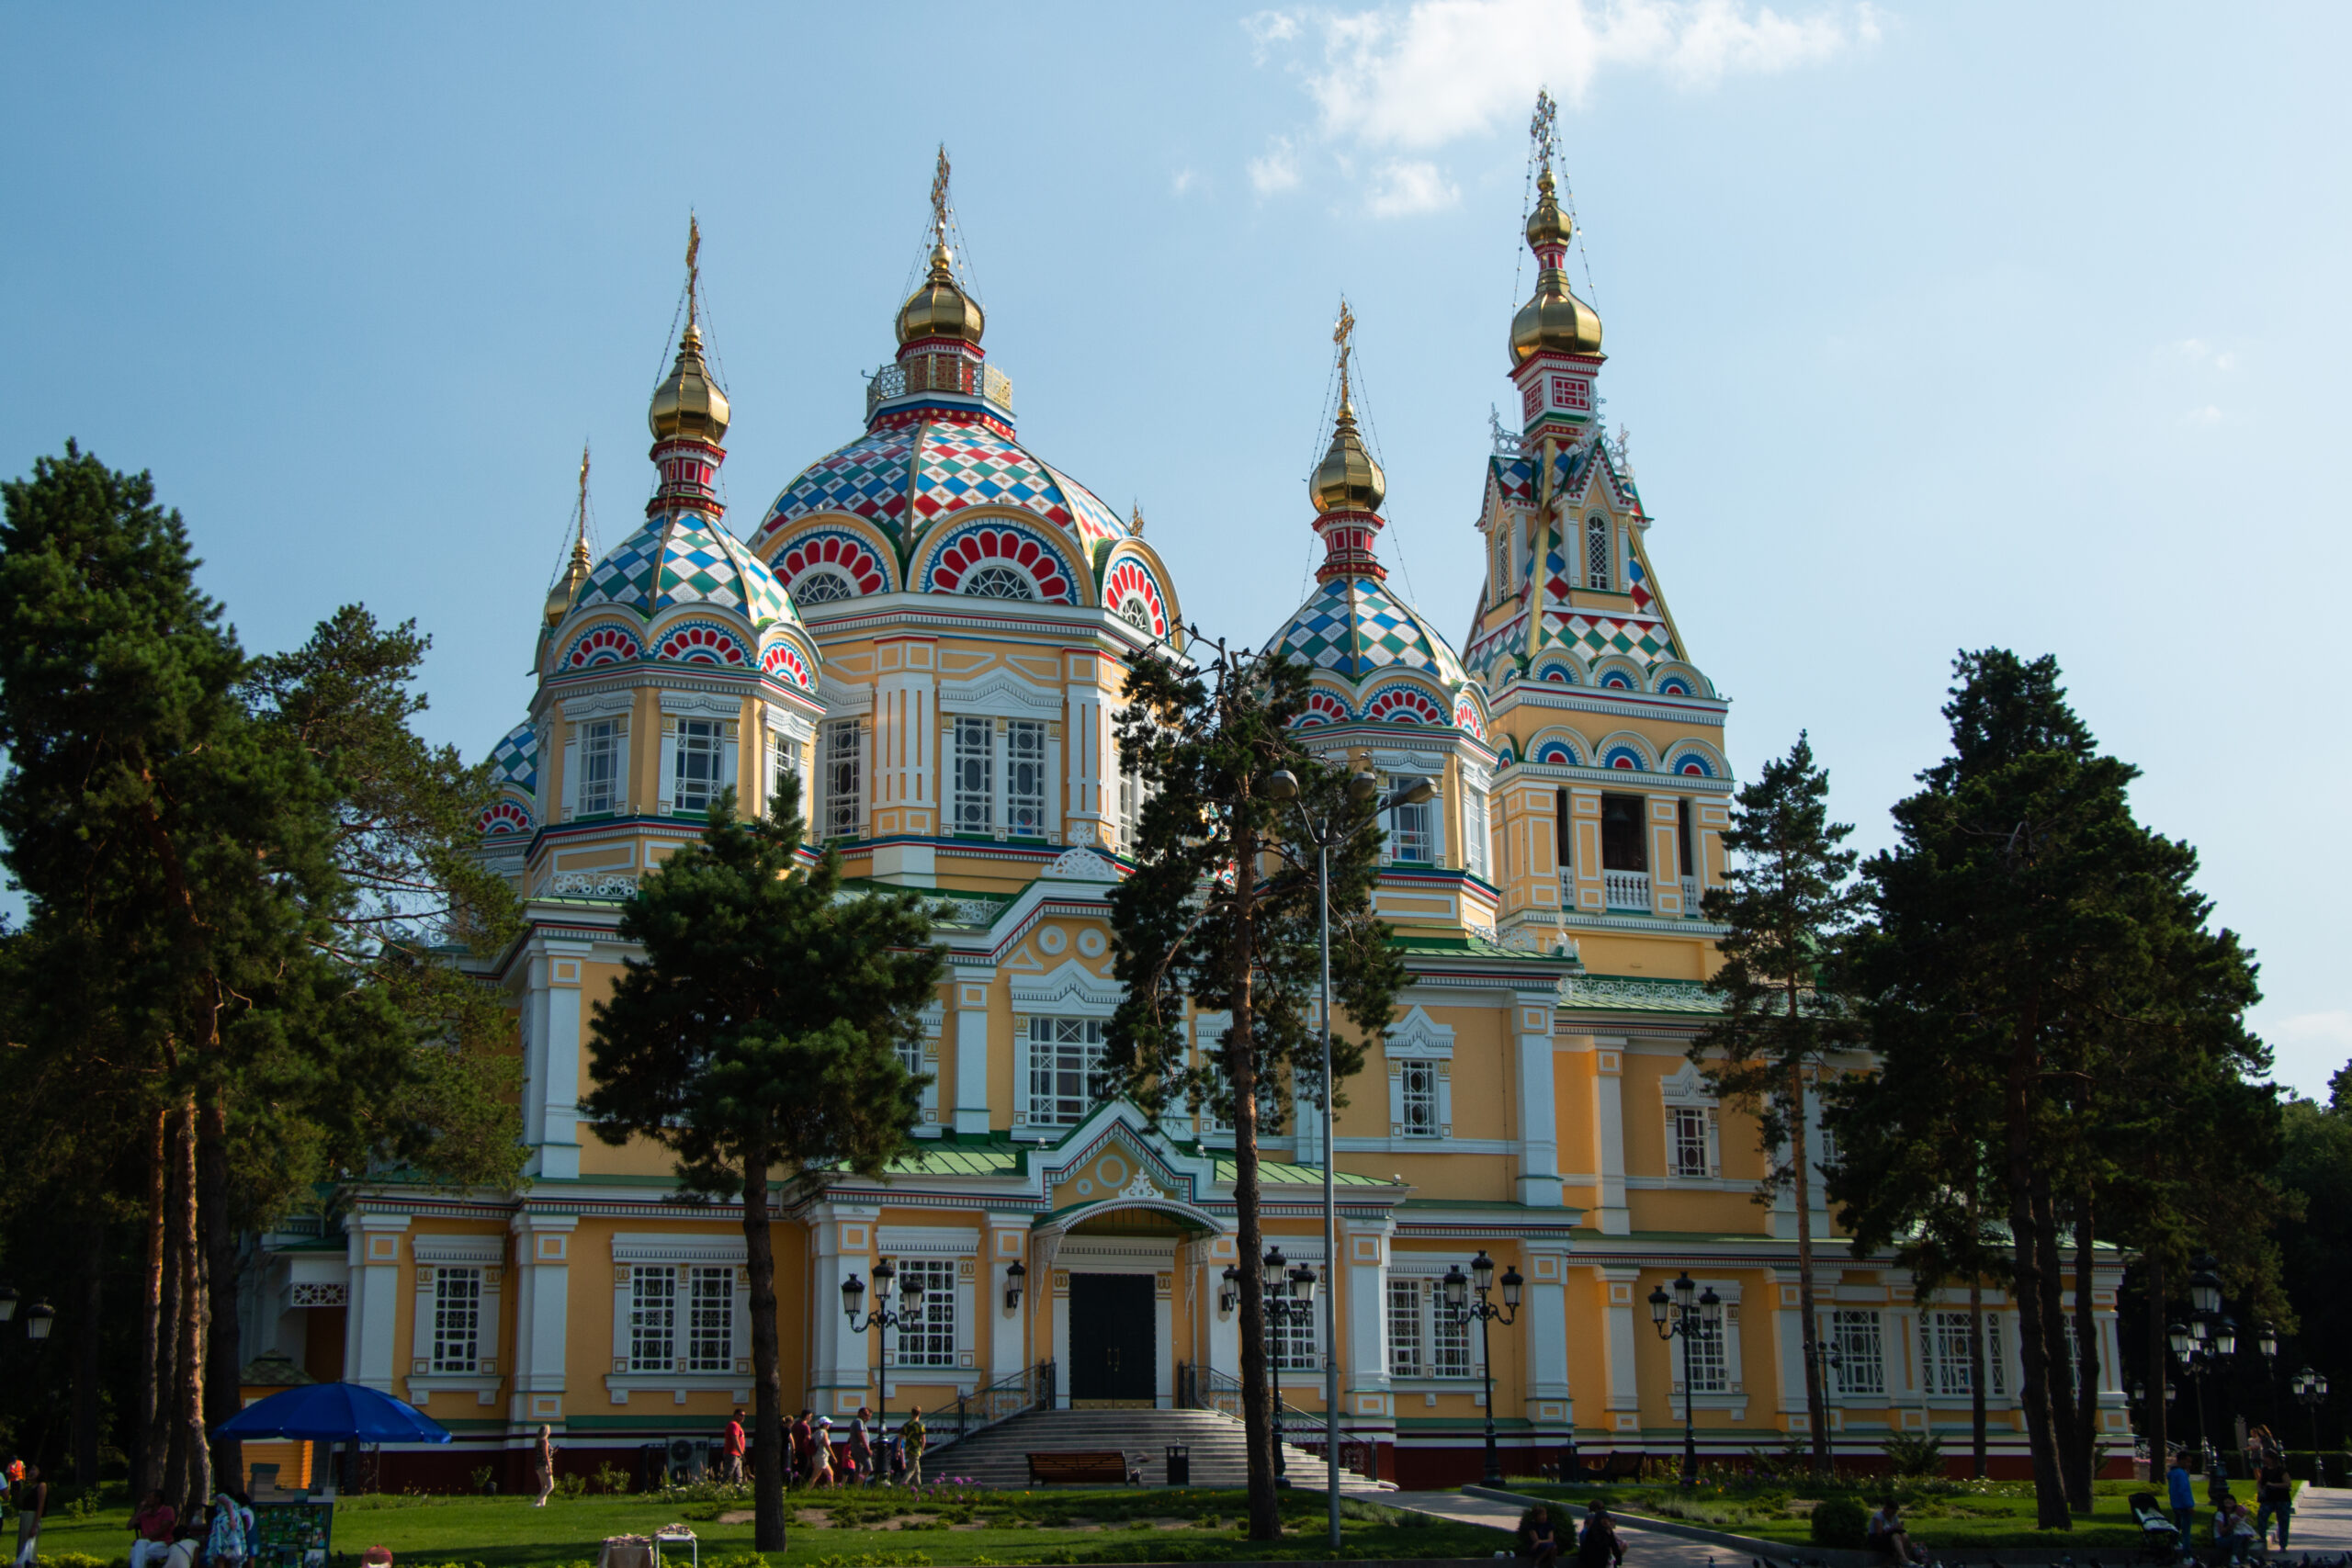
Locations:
{"points": [[928, 631]]}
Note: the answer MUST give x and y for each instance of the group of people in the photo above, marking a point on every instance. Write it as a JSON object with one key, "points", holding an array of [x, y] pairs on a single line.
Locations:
{"points": [[869, 1454], [1598, 1545], [2235, 1530], [220, 1537]]}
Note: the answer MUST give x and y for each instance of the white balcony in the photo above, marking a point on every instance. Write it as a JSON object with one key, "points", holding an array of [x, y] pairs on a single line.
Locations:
{"points": [[1627, 889], [1690, 895]]}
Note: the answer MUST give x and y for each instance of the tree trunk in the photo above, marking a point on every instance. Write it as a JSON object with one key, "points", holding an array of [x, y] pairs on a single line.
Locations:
{"points": [[767, 1375], [2154, 1411], [1817, 1396], [2033, 1387], [147, 1426], [171, 1432], [87, 1371], [1241, 1071], [225, 1338], [195, 1317], [2060, 1361], [1976, 1375], [2083, 1461]]}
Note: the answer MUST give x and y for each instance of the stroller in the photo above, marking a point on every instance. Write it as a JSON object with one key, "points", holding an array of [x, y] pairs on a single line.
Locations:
{"points": [[2160, 1541]]}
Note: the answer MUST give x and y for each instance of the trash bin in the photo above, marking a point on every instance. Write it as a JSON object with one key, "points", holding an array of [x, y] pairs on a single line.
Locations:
{"points": [[1180, 1464]]}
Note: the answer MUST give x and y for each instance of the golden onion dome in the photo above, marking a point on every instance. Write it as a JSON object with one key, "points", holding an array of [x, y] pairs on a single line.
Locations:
{"points": [[689, 403], [940, 307], [567, 587], [1554, 318], [1347, 479]]}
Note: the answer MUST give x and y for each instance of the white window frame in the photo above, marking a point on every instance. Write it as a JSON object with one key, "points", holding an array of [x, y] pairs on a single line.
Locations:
{"points": [[1943, 1354], [1416, 826], [1859, 1336], [458, 1304], [1599, 555], [1475, 831], [932, 1341], [841, 768], [1405, 1338], [1070, 991], [606, 741], [653, 1318], [1447, 1348], [701, 1261], [1048, 1037], [685, 739], [1691, 1119], [459, 1256], [1417, 1038], [786, 759], [989, 758]]}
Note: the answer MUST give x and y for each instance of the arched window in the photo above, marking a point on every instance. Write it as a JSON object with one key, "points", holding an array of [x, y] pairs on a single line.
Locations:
{"points": [[821, 588], [999, 582], [1597, 573], [1135, 613]]}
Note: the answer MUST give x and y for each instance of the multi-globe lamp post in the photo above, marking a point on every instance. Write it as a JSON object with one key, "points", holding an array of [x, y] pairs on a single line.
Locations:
{"points": [[1457, 1288], [1326, 836], [884, 1317], [2203, 1343], [1288, 1298], [1694, 1314], [2310, 1389]]}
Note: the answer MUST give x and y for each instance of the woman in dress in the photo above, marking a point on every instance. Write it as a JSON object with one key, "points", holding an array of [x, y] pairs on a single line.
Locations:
{"points": [[543, 1466]]}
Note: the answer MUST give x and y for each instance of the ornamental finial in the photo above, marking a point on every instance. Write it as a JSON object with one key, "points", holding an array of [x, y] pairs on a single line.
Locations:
{"points": [[1341, 331], [694, 264], [939, 197]]}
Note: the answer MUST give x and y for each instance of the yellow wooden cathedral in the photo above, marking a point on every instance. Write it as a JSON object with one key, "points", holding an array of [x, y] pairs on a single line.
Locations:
{"points": [[928, 629]]}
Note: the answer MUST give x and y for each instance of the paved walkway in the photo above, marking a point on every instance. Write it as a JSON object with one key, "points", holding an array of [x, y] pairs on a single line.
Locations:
{"points": [[1643, 1549], [2323, 1520]]}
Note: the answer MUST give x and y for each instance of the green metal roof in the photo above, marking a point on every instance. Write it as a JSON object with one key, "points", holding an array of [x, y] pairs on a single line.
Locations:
{"points": [[1282, 1175], [1636, 993]]}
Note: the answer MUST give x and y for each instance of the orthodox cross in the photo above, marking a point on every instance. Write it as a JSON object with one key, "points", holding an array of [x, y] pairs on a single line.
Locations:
{"points": [[1341, 331], [939, 197], [693, 278], [1540, 131]]}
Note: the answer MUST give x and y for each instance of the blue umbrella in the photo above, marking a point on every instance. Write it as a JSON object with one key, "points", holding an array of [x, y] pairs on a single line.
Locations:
{"points": [[334, 1412]]}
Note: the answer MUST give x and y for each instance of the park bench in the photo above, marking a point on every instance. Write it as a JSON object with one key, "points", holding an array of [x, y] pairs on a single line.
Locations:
{"points": [[1102, 1467], [1624, 1465]]}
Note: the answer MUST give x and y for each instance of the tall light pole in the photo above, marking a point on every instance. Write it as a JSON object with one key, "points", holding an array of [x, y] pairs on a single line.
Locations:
{"points": [[1457, 1290], [2310, 1393], [1326, 836], [1693, 1315], [1289, 1299], [883, 1316]]}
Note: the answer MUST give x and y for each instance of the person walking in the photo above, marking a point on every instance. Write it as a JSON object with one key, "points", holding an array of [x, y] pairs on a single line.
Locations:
{"points": [[2275, 1491], [1599, 1546], [225, 1543], [861, 1448], [2180, 1495], [802, 1434], [151, 1527], [32, 1502], [543, 1466], [912, 1435], [733, 1447], [823, 1474]]}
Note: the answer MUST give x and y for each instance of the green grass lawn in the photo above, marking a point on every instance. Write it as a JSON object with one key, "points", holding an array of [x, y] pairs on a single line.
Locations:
{"points": [[869, 1528], [1948, 1514]]}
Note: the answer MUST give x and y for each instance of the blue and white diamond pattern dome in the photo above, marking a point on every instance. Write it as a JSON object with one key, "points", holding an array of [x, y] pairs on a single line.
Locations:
{"points": [[1356, 630], [687, 559]]}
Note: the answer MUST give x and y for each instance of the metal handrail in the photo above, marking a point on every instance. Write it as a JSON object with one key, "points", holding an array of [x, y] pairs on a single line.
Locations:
{"points": [[1225, 1382], [1031, 1388]]}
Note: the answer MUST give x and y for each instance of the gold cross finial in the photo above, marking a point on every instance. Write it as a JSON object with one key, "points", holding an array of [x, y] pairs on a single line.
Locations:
{"points": [[583, 489], [1541, 130], [1341, 331], [693, 266], [939, 197]]}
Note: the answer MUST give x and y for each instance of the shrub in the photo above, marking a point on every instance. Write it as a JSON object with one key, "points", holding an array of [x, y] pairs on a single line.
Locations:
{"points": [[1840, 1522], [1914, 1453], [571, 1488], [485, 1481]]}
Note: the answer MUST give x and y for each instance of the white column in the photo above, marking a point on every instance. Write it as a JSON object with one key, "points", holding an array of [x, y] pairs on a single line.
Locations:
{"points": [[1007, 1244], [1547, 1324], [972, 1050], [840, 1359], [1091, 749], [1539, 1134], [1621, 1286], [906, 742], [556, 1097], [1609, 1133], [1367, 1409], [369, 1348], [542, 1301]]}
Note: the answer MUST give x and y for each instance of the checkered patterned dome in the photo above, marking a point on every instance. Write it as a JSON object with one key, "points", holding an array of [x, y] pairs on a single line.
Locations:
{"points": [[686, 558], [1356, 630], [516, 759], [908, 476]]}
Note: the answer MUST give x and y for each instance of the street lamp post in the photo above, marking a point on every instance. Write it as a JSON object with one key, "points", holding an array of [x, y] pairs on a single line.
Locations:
{"points": [[884, 1317], [1289, 1299], [1457, 1288], [2310, 1393], [1326, 836], [1694, 1314]]}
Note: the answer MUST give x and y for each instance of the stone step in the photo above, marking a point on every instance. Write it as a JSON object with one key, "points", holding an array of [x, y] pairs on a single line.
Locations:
{"points": [[998, 1456]]}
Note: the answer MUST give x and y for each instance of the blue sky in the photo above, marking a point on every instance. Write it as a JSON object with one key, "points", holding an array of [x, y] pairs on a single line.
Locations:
{"points": [[1932, 326]]}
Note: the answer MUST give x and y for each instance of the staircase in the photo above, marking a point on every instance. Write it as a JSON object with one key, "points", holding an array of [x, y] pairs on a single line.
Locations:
{"points": [[997, 1456]]}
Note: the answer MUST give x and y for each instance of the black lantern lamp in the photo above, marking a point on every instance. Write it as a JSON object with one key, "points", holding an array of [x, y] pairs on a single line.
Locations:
{"points": [[1013, 1275], [40, 1318]]}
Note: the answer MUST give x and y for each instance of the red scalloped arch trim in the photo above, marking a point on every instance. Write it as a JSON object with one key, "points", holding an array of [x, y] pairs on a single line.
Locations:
{"points": [[602, 645], [998, 545]]}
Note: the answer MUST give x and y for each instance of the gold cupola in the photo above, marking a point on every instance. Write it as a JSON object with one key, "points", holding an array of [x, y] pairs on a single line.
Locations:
{"points": [[1554, 319], [567, 588], [940, 307], [1346, 480], [689, 403]]}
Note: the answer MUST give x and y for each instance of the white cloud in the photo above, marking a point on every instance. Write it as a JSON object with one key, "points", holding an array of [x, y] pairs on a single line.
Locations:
{"points": [[1184, 180], [2309, 1047], [1439, 70], [2211, 414], [2197, 351], [1277, 170], [1403, 188]]}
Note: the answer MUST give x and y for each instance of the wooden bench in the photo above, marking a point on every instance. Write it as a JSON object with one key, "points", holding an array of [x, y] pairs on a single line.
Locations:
{"points": [[1619, 1466], [1098, 1467]]}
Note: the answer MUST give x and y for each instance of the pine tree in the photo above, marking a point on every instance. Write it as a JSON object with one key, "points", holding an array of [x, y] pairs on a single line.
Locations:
{"points": [[1220, 915], [2030, 938], [760, 1033], [1785, 902]]}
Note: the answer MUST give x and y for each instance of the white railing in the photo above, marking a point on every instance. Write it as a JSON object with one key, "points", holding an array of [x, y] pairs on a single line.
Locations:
{"points": [[1690, 895], [1627, 889]]}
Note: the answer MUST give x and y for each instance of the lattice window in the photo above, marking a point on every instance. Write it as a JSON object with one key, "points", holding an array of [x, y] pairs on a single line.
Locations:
{"points": [[1710, 1366], [1861, 1357], [309, 1294], [1418, 1096], [600, 746], [1450, 1340], [1474, 832], [1135, 613], [1943, 1338], [843, 768], [1409, 838], [1131, 795], [1294, 1339], [695, 768], [457, 1319], [999, 582], [929, 1338], [973, 810], [1690, 1139], [1597, 566], [1065, 1069], [1025, 778], [1405, 1328], [710, 1319], [652, 1317], [822, 588], [784, 766]]}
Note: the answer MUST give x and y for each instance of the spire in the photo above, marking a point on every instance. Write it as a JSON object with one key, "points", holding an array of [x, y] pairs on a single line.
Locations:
{"points": [[575, 573], [939, 307], [1348, 486], [1554, 318], [690, 414]]}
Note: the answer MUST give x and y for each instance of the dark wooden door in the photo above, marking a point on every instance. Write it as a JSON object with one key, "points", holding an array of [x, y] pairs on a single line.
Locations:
{"points": [[1113, 1356]]}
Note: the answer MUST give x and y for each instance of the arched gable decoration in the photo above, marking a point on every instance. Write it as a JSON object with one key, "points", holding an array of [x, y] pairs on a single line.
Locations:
{"points": [[1618, 674], [1132, 593], [1466, 715], [829, 564], [1691, 758], [783, 661], [1001, 557], [1555, 751], [504, 817], [1624, 756], [702, 642], [1556, 673], [1404, 705], [1324, 707], [605, 644]]}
